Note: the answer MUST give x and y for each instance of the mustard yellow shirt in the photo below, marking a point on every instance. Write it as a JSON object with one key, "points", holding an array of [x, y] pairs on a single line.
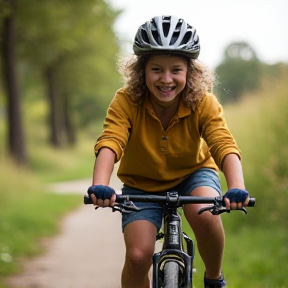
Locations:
{"points": [[154, 159]]}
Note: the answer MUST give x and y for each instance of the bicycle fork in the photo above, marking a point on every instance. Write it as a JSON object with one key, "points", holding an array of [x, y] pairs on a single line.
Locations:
{"points": [[172, 250]]}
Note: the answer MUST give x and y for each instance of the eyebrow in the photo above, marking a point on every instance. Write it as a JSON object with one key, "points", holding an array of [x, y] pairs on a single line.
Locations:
{"points": [[174, 66]]}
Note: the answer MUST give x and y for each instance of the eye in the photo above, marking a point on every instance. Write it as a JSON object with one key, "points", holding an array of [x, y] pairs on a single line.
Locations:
{"points": [[155, 69], [177, 70]]}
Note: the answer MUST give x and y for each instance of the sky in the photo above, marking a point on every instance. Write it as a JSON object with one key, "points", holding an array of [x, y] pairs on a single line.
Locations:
{"points": [[263, 24]]}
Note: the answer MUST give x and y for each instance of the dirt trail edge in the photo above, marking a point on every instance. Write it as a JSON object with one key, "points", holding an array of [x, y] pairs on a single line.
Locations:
{"points": [[88, 252]]}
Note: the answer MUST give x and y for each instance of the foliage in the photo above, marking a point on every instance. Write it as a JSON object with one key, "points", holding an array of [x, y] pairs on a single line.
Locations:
{"points": [[68, 55], [238, 73], [262, 136], [81, 39], [256, 243], [52, 165]]}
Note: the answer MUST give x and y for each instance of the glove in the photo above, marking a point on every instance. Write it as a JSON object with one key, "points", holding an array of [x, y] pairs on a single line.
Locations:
{"points": [[101, 191], [236, 195]]}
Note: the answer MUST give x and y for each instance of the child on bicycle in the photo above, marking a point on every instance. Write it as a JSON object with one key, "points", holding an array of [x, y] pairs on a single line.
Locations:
{"points": [[169, 132]]}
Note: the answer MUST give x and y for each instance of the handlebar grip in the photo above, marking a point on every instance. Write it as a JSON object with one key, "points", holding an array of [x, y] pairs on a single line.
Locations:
{"points": [[87, 200], [252, 202]]}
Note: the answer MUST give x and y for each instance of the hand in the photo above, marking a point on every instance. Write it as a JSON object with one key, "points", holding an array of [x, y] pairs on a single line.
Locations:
{"points": [[102, 196], [236, 198]]}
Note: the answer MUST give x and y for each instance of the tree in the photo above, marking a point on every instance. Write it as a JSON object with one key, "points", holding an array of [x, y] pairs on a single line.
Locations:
{"points": [[73, 49], [74, 46], [16, 141], [238, 73]]}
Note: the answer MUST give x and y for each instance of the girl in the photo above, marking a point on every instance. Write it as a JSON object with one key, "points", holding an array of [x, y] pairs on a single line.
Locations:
{"points": [[168, 130]]}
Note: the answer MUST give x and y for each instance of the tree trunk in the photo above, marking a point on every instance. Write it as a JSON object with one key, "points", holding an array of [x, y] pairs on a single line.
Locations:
{"points": [[16, 141], [56, 107], [68, 121]]}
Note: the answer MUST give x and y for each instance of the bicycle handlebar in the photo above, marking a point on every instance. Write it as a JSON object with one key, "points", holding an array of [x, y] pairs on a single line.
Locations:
{"points": [[172, 199], [163, 199]]}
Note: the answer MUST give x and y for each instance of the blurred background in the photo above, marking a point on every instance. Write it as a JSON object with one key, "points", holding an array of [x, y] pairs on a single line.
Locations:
{"points": [[58, 74]]}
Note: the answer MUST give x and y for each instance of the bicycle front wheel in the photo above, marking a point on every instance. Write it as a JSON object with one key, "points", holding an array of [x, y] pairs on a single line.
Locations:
{"points": [[171, 275]]}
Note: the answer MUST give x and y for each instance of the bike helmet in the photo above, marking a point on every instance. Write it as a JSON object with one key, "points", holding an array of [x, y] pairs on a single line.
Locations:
{"points": [[167, 34]]}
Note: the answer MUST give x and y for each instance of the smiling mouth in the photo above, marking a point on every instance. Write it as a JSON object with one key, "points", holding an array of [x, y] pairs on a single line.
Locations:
{"points": [[166, 89]]}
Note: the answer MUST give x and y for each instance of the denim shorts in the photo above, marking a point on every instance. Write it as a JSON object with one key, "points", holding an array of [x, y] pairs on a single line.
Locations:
{"points": [[201, 177]]}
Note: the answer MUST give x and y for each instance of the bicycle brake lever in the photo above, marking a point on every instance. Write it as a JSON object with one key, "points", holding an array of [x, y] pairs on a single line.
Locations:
{"points": [[217, 211], [243, 209], [213, 210], [120, 209], [126, 207]]}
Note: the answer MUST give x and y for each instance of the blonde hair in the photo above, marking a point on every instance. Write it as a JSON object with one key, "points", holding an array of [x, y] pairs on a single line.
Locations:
{"points": [[200, 80]]}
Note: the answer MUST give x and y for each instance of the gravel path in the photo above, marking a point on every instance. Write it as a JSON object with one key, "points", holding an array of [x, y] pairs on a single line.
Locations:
{"points": [[88, 253]]}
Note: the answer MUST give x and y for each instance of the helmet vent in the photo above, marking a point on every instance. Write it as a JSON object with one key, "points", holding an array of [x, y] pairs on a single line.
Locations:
{"points": [[166, 28], [179, 24], [156, 37], [186, 38], [145, 36], [174, 37]]}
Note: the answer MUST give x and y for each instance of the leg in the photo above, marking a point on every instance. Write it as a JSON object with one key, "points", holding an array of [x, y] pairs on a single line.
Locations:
{"points": [[209, 233], [140, 237]]}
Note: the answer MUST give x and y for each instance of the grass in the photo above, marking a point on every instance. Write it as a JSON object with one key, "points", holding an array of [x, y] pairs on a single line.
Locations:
{"points": [[254, 258], [28, 212], [67, 163], [51, 165]]}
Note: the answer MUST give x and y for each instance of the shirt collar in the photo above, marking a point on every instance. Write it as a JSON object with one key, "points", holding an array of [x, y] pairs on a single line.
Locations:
{"points": [[183, 110]]}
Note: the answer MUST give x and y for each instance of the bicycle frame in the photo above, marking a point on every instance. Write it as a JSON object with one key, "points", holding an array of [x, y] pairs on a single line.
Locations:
{"points": [[173, 249]]}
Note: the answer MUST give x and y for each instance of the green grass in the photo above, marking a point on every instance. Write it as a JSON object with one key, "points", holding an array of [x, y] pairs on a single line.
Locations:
{"points": [[70, 163], [259, 125], [254, 258], [28, 212], [67, 163]]}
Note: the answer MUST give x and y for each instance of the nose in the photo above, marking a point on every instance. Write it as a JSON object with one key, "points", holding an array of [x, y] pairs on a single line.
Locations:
{"points": [[166, 77]]}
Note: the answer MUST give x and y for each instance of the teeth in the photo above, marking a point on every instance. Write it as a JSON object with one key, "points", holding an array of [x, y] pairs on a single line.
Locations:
{"points": [[166, 89]]}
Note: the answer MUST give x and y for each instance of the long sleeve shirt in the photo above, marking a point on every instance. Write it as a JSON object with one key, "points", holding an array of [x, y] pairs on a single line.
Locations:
{"points": [[154, 159]]}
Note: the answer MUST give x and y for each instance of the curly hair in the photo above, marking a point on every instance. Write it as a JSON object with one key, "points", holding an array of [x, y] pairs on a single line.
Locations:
{"points": [[199, 80]]}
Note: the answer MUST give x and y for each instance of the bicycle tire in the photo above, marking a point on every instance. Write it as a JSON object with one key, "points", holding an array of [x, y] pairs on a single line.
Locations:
{"points": [[171, 275]]}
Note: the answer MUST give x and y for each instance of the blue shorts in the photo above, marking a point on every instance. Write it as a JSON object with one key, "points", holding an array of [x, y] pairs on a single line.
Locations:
{"points": [[201, 177]]}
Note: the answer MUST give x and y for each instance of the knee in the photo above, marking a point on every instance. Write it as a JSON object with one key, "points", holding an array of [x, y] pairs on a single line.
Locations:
{"points": [[139, 257], [206, 223]]}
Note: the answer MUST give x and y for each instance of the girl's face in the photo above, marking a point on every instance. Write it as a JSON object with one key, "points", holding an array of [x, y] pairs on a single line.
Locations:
{"points": [[166, 76]]}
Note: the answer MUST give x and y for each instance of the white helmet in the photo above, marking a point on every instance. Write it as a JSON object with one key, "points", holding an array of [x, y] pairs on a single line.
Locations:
{"points": [[169, 34]]}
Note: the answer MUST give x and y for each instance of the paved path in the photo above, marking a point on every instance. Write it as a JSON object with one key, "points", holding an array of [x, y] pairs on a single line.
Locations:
{"points": [[88, 253]]}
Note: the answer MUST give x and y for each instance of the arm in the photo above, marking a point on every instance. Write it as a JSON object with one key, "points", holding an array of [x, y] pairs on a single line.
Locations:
{"points": [[111, 144], [103, 169], [232, 170], [224, 150]]}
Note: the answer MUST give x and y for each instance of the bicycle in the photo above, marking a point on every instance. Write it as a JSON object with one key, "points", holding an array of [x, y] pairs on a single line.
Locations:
{"points": [[173, 265]]}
